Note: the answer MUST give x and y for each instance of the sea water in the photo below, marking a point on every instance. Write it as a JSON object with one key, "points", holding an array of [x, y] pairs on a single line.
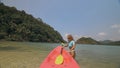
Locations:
{"points": [[98, 56], [92, 56], [87, 56]]}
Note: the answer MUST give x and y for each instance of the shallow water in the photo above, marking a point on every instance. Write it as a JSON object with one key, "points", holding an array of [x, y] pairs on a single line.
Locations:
{"points": [[88, 56], [98, 56], [92, 56]]}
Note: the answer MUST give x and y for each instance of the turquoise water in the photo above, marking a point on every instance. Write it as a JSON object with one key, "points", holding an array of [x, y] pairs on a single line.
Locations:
{"points": [[90, 56]]}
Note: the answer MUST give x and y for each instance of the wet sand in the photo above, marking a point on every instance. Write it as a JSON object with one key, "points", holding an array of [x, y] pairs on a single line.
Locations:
{"points": [[19, 55]]}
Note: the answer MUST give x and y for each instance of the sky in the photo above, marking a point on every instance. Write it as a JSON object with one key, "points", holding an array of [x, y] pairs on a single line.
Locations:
{"points": [[99, 19]]}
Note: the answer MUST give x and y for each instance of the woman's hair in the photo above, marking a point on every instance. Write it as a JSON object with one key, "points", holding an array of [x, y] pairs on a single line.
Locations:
{"points": [[70, 37]]}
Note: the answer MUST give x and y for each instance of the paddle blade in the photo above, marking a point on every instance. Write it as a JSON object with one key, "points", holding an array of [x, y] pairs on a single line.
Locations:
{"points": [[59, 59]]}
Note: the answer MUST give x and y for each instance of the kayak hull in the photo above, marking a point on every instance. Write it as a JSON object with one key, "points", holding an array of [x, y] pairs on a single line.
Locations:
{"points": [[68, 62]]}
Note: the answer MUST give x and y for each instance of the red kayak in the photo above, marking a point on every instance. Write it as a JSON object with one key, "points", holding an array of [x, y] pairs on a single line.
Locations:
{"points": [[68, 62]]}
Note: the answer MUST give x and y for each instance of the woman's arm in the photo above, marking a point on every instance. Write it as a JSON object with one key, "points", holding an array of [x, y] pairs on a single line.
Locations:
{"points": [[64, 45]]}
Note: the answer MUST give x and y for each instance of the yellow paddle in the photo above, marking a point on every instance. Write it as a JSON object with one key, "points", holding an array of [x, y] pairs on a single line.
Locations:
{"points": [[59, 59]]}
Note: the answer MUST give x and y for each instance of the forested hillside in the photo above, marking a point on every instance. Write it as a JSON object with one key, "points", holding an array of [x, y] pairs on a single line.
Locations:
{"points": [[89, 40], [85, 40], [17, 25]]}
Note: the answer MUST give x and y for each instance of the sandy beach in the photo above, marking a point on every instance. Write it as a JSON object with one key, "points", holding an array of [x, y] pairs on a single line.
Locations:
{"points": [[18, 55]]}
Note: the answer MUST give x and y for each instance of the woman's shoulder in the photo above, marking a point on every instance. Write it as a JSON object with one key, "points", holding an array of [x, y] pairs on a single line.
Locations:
{"points": [[73, 42]]}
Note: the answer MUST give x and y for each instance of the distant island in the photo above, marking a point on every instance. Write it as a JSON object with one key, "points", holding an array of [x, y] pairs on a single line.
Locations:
{"points": [[89, 40], [17, 25]]}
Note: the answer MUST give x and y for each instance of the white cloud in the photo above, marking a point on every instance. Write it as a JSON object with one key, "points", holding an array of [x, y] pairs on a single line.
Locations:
{"points": [[119, 31], [86, 36], [76, 37], [115, 26], [102, 34], [66, 34]]}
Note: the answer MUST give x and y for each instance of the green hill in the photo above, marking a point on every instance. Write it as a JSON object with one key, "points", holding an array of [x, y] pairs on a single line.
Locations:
{"points": [[85, 40], [17, 25], [115, 43], [109, 42], [89, 40]]}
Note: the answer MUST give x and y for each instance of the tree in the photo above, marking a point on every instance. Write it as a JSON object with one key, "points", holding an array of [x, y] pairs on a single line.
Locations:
{"points": [[19, 26]]}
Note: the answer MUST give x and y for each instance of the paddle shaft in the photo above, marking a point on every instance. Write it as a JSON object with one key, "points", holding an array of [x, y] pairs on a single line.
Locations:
{"points": [[61, 51]]}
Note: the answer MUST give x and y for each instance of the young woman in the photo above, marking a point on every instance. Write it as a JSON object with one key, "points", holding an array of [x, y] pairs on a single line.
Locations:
{"points": [[71, 44]]}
